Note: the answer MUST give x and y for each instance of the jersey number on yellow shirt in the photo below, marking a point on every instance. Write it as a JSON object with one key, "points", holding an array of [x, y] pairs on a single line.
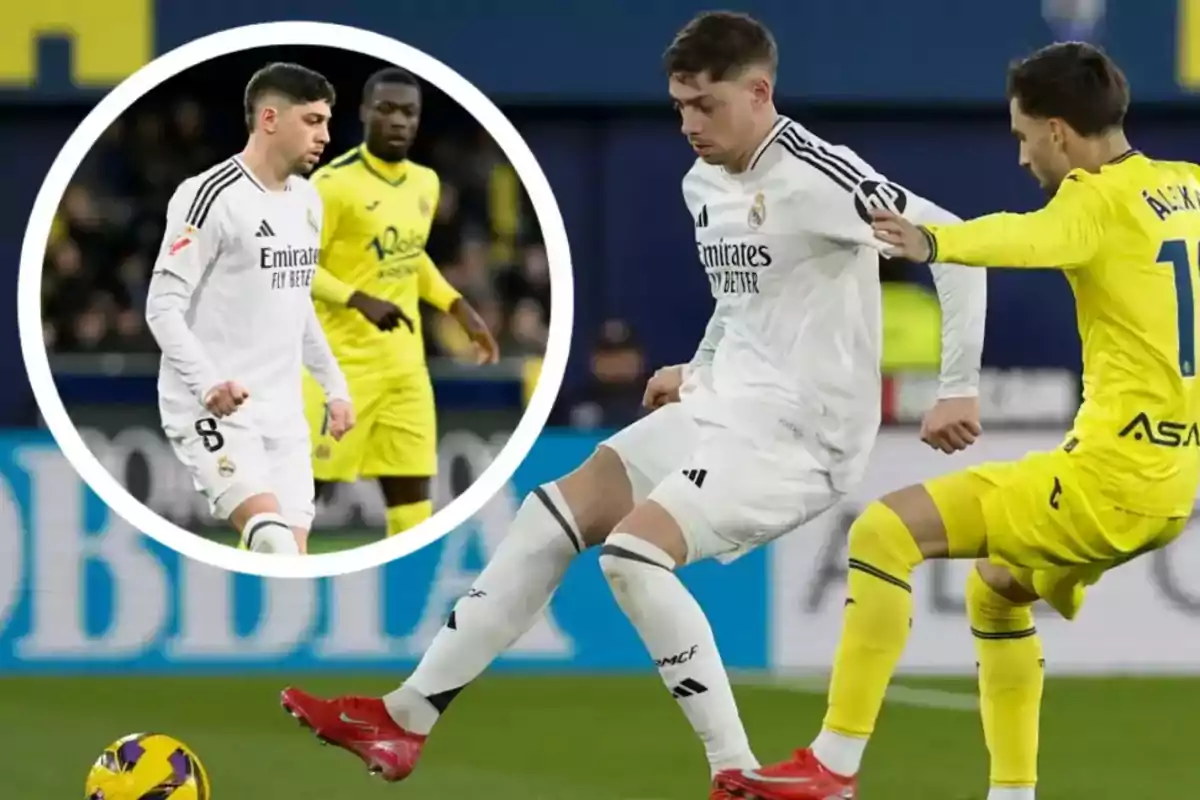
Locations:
{"points": [[1176, 252]]}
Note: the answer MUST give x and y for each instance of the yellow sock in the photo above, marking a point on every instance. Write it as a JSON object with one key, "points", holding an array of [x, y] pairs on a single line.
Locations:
{"points": [[1010, 682], [877, 620], [402, 518]]}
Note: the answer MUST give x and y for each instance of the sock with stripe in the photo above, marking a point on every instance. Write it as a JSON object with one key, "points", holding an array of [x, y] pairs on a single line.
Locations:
{"points": [[674, 629], [501, 606], [875, 630], [1012, 793], [269, 533], [407, 516], [1010, 686]]}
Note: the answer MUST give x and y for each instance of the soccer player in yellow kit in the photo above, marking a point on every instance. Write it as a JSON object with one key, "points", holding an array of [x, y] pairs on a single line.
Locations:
{"points": [[374, 273], [1125, 230]]}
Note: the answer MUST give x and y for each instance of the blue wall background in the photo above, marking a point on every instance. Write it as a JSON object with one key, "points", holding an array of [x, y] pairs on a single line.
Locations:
{"points": [[80, 591]]}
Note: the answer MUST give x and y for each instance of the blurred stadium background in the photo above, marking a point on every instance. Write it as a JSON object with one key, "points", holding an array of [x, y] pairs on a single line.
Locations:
{"points": [[103, 633]]}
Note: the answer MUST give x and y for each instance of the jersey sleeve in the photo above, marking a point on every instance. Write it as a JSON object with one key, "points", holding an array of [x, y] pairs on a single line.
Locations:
{"points": [[1065, 234], [320, 361], [326, 286], [192, 234], [432, 286], [962, 294], [714, 331]]}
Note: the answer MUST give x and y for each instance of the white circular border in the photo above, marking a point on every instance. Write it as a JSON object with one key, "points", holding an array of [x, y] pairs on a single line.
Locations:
{"points": [[37, 362]]}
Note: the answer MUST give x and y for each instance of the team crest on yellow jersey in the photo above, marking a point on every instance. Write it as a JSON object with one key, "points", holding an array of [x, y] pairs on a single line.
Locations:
{"points": [[322, 452], [758, 211]]}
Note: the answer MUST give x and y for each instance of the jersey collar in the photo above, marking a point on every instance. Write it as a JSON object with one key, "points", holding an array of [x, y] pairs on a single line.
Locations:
{"points": [[1128, 154], [249, 174], [394, 173], [781, 123]]}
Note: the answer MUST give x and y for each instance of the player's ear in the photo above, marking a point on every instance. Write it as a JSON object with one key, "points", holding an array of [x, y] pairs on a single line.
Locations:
{"points": [[1058, 133], [268, 117], [761, 89]]}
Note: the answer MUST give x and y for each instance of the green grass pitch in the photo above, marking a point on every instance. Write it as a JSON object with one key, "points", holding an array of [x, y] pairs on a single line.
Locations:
{"points": [[592, 738]]}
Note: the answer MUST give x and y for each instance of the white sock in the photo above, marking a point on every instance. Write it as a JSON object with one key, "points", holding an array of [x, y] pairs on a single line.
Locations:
{"points": [[675, 631], [839, 753], [1011, 793], [270, 533], [500, 608]]}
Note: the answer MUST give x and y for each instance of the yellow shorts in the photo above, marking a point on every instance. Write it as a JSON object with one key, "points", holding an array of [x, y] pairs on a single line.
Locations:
{"points": [[1043, 518], [395, 434]]}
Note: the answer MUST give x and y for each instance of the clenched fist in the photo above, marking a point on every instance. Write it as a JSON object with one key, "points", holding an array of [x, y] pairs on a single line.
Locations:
{"points": [[663, 387], [225, 398]]}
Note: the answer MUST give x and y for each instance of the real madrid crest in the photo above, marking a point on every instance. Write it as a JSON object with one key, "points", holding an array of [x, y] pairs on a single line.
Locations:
{"points": [[758, 211], [225, 467]]}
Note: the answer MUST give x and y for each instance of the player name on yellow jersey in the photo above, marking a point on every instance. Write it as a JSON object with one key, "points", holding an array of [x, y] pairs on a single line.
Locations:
{"points": [[1128, 240], [377, 221]]}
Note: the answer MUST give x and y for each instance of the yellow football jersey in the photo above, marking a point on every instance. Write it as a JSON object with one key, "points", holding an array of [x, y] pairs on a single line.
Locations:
{"points": [[1128, 240], [377, 220]]}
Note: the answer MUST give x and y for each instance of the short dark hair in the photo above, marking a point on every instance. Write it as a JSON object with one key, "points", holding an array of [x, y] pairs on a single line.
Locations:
{"points": [[293, 82], [1074, 81], [721, 43], [389, 75]]}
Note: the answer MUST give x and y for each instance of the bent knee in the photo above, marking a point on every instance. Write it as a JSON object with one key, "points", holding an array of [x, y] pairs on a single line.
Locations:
{"points": [[598, 495], [1001, 581], [997, 605], [880, 538], [623, 553]]}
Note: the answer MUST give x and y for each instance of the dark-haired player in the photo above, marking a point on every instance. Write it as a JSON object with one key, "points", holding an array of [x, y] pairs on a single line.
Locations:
{"points": [[779, 408], [231, 309], [374, 272], [1125, 229]]}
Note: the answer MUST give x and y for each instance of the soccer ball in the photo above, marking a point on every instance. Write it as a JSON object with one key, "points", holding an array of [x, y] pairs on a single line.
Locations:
{"points": [[147, 766]]}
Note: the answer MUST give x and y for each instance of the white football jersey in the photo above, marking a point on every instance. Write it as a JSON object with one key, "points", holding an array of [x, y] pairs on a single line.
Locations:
{"points": [[793, 265], [248, 255]]}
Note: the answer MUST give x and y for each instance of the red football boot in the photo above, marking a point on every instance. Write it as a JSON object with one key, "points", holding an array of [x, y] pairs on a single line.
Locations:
{"points": [[360, 725], [802, 778]]}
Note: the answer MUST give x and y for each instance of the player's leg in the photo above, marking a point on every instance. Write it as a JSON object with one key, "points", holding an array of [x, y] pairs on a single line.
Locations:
{"points": [[228, 464], [886, 543], [408, 500], [732, 494], [292, 472], [402, 453], [1011, 676], [263, 528], [553, 525]]}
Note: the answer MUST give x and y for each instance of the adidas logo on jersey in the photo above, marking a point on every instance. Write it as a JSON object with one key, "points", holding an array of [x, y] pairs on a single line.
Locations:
{"points": [[702, 217], [264, 229]]}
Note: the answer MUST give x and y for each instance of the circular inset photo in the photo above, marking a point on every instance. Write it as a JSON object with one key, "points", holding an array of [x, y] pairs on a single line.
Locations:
{"points": [[295, 309]]}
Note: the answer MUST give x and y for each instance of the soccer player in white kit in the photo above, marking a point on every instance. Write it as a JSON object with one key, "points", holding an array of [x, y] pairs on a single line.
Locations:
{"points": [[778, 409], [231, 309]]}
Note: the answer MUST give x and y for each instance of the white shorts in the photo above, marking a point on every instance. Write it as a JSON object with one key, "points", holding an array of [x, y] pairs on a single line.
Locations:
{"points": [[230, 461], [729, 491]]}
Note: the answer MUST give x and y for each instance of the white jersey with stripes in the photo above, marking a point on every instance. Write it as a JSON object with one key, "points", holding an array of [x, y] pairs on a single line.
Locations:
{"points": [[242, 258], [795, 340]]}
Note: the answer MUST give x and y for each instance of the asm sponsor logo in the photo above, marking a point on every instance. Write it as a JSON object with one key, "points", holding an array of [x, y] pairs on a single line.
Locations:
{"points": [[1164, 433]]}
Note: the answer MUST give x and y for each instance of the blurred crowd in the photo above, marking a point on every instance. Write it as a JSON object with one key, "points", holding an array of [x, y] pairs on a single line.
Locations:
{"points": [[109, 227]]}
